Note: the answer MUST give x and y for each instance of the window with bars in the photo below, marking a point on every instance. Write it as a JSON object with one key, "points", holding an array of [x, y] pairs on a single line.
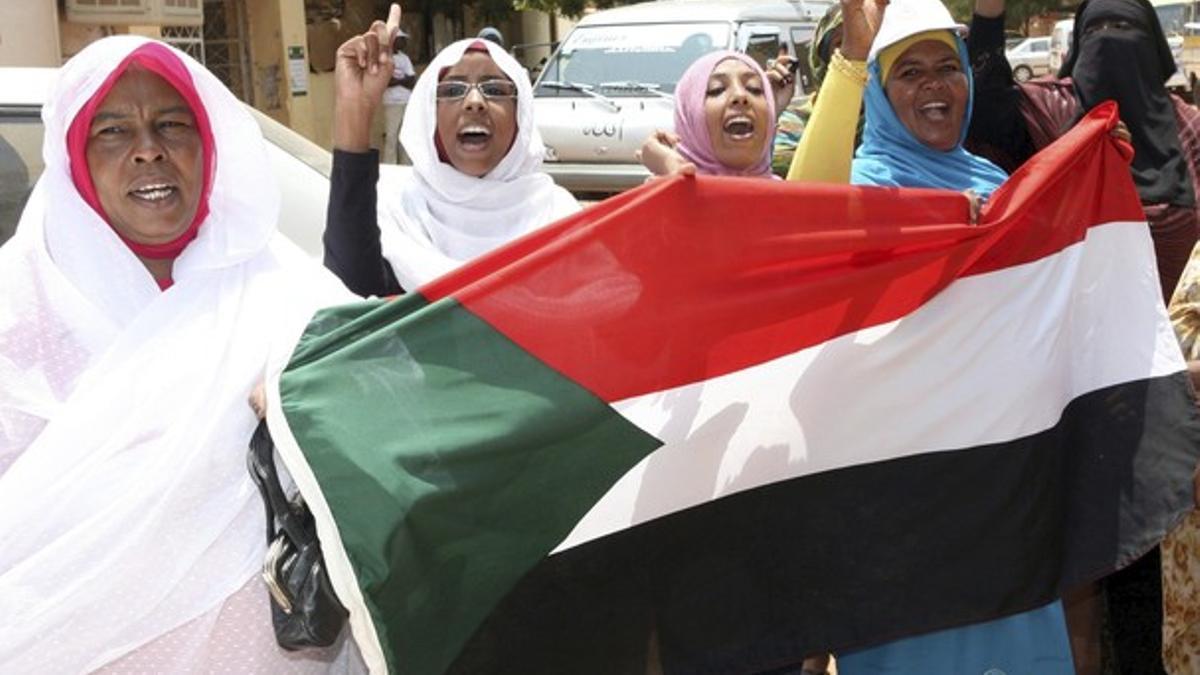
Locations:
{"points": [[225, 50], [141, 12], [187, 39], [111, 4]]}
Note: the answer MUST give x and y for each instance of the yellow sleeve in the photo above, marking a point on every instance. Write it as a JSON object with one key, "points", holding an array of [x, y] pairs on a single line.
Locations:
{"points": [[827, 146]]}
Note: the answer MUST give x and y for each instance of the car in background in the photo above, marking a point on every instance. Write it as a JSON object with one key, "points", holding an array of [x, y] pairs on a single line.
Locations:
{"points": [[1176, 18], [1179, 82], [611, 82], [1030, 58], [301, 166], [1060, 43]]}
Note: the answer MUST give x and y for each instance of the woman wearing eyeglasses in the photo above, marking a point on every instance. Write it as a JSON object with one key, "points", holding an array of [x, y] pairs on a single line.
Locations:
{"points": [[476, 155]]}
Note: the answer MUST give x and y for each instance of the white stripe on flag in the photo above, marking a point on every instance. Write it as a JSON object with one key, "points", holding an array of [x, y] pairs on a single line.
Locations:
{"points": [[993, 358]]}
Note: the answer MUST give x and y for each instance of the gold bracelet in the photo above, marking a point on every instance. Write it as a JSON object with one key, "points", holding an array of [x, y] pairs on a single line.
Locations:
{"points": [[855, 70]]}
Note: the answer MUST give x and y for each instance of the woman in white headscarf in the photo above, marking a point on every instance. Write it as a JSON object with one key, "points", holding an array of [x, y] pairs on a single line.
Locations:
{"points": [[476, 154], [141, 290]]}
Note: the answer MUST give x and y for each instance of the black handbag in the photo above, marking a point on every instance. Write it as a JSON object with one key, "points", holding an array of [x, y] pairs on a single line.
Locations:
{"points": [[304, 609]]}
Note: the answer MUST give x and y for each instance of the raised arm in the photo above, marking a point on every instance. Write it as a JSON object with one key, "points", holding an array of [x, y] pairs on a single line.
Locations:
{"points": [[997, 130], [990, 9], [827, 148], [352, 247]]}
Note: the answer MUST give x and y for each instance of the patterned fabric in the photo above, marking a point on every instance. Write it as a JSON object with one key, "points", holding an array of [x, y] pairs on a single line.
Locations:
{"points": [[1181, 598], [1185, 308], [1181, 549], [820, 50], [790, 127], [788, 131]]}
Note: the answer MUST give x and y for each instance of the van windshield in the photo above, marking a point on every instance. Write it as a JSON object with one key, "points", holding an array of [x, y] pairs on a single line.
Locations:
{"points": [[628, 60]]}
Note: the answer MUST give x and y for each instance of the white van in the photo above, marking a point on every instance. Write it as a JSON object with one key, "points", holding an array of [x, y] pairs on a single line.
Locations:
{"points": [[611, 82], [1175, 16], [1060, 43]]}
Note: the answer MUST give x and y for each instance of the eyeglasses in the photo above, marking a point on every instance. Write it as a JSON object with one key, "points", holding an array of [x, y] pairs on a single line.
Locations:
{"points": [[490, 89]]}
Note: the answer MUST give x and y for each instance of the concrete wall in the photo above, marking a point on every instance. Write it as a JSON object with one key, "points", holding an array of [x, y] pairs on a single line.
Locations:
{"points": [[535, 31], [295, 42], [153, 32], [32, 33], [321, 100], [279, 59], [75, 36], [29, 33]]}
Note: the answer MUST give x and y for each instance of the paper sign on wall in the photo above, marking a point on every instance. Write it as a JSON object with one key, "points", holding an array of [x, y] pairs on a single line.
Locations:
{"points": [[297, 70]]}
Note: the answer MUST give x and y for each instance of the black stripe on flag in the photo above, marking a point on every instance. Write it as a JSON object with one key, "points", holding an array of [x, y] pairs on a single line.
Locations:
{"points": [[860, 555]]}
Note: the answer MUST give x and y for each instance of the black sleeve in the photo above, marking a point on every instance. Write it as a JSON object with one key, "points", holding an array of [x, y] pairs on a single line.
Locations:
{"points": [[352, 248], [997, 129]]}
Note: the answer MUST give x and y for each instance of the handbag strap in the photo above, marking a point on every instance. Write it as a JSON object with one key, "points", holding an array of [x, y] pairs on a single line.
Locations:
{"points": [[261, 460]]}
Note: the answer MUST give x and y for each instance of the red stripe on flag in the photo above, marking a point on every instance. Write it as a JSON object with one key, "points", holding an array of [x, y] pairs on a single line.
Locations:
{"points": [[692, 278]]}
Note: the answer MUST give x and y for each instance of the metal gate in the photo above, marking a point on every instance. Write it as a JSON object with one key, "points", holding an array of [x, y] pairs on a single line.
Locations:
{"points": [[187, 39], [226, 50]]}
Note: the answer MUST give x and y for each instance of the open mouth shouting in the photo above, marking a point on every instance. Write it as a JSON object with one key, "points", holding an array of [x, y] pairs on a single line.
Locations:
{"points": [[739, 128], [935, 111], [936, 119], [474, 138], [929, 92], [476, 131]]}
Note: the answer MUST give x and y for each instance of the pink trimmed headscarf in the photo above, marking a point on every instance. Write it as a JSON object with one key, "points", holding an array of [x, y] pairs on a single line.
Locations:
{"points": [[159, 60], [694, 142]]}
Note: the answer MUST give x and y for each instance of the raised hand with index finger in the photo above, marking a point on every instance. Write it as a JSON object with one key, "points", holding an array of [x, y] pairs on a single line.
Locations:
{"points": [[363, 68]]}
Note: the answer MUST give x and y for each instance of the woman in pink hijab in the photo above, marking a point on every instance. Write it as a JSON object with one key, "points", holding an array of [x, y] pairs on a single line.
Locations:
{"points": [[725, 111]]}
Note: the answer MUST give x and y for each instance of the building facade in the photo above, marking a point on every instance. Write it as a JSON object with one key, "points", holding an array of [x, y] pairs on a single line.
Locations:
{"points": [[277, 55]]}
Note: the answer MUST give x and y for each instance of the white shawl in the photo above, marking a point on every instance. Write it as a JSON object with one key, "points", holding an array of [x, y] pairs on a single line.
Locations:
{"points": [[441, 217], [126, 509]]}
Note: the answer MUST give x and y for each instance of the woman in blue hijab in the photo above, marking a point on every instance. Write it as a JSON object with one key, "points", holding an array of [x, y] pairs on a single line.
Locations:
{"points": [[918, 97]]}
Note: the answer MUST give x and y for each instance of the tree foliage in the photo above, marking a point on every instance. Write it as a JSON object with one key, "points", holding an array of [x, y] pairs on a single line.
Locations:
{"points": [[572, 8], [1017, 12], [498, 10]]}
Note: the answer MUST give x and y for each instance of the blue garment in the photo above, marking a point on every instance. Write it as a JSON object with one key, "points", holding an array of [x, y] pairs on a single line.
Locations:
{"points": [[891, 155], [1031, 643]]}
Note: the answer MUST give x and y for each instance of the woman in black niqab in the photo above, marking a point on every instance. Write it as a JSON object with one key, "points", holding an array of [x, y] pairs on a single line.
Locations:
{"points": [[1119, 52]]}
